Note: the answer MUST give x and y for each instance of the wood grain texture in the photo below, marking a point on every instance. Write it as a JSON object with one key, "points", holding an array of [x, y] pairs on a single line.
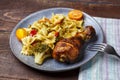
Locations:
{"points": [[12, 11]]}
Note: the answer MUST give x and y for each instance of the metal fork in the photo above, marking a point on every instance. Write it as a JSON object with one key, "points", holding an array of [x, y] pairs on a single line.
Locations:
{"points": [[102, 47]]}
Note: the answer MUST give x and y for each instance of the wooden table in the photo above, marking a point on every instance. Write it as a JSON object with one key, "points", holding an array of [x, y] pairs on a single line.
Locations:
{"points": [[12, 11]]}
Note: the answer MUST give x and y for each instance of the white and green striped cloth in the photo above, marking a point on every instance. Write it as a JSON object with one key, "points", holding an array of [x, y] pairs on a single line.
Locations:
{"points": [[104, 66]]}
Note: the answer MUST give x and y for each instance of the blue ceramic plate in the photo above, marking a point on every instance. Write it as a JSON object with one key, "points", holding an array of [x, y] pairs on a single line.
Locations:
{"points": [[51, 64]]}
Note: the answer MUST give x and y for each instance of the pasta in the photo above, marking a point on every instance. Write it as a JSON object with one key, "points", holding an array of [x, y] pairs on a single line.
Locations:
{"points": [[45, 29]]}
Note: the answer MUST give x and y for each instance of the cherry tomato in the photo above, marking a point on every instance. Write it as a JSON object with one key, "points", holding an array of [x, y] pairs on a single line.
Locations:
{"points": [[33, 32], [21, 33], [56, 34], [75, 14]]}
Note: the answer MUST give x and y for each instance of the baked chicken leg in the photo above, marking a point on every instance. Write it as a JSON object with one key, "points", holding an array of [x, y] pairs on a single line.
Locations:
{"points": [[68, 50]]}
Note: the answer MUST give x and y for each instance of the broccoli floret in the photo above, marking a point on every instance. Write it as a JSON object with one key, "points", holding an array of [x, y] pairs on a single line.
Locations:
{"points": [[40, 57], [41, 52]]}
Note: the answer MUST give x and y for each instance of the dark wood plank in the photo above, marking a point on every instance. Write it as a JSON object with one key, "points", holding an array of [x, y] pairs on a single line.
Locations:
{"points": [[100, 8], [12, 11]]}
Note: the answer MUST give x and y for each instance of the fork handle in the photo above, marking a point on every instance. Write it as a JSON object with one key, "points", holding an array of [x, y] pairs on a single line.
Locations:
{"points": [[113, 52]]}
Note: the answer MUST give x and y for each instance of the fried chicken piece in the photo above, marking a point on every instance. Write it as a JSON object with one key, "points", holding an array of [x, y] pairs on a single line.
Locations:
{"points": [[68, 50], [88, 34]]}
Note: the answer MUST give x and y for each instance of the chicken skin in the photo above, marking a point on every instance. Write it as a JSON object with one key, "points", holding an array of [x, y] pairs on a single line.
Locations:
{"points": [[68, 49]]}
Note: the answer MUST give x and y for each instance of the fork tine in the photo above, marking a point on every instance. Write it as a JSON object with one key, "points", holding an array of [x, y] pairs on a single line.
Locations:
{"points": [[102, 47], [98, 47]]}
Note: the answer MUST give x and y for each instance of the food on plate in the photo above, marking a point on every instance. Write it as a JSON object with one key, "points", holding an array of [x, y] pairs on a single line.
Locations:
{"points": [[41, 52], [21, 33], [46, 36], [75, 14], [69, 49]]}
